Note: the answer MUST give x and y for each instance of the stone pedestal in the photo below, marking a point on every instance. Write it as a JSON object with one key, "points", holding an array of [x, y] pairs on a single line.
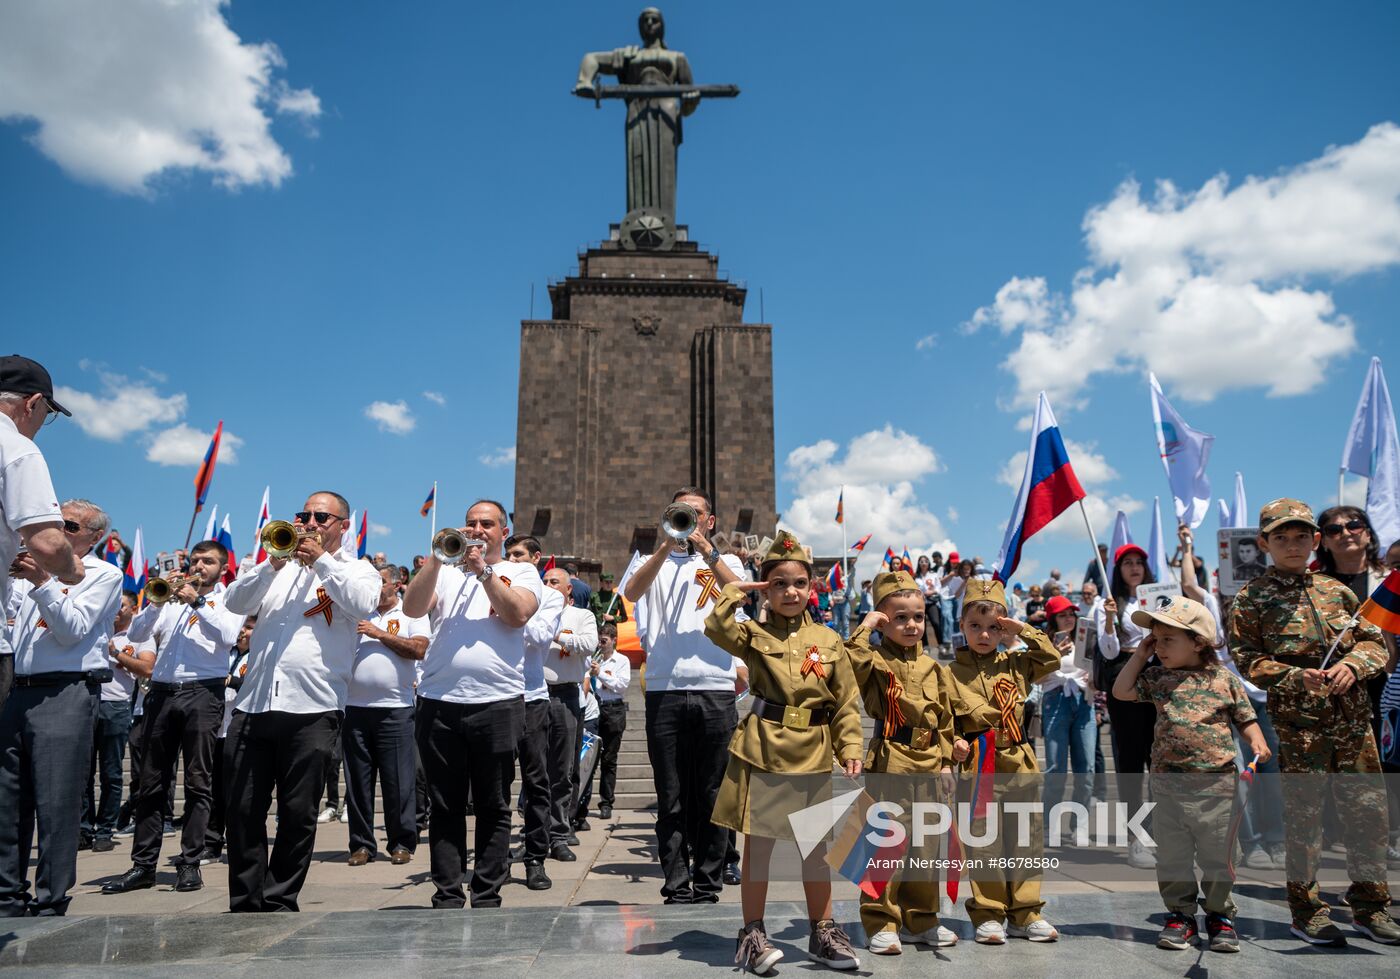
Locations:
{"points": [[645, 379]]}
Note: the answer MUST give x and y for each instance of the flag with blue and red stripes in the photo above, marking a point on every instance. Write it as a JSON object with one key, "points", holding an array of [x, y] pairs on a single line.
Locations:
{"points": [[205, 476], [135, 577], [427, 506], [362, 538], [833, 578], [841, 507], [859, 545], [1382, 609], [1048, 488]]}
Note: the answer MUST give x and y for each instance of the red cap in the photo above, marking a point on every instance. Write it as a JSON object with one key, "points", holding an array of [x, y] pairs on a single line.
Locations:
{"points": [[952, 556], [1058, 604], [1127, 549]]}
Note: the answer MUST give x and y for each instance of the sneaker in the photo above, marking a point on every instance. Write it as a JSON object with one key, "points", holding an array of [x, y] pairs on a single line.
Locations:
{"points": [[168, 829], [831, 946], [1377, 926], [1278, 853], [885, 943], [1178, 933], [128, 830], [208, 856], [1222, 933], [327, 814], [1038, 930], [1392, 856], [344, 814], [1140, 857], [1319, 930], [1258, 859], [755, 952], [937, 936], [990, 933]]}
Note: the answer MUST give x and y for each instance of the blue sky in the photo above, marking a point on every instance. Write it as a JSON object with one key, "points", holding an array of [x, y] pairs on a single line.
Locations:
{"points": [[405, 173]]}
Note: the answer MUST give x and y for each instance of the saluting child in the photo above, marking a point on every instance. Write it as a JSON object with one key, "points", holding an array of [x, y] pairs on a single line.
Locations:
{"points": [[805, 712], [1193, 764], [1006, 901], [914, 702]]}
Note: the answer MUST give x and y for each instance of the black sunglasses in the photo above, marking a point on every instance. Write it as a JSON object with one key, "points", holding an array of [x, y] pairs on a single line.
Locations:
{"points": [[320, 516], [1335, 529], [72, 526]]}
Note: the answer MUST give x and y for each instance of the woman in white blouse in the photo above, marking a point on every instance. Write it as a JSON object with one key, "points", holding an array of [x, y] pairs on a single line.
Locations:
{"points": [[1067, 711], [1131, 722]]}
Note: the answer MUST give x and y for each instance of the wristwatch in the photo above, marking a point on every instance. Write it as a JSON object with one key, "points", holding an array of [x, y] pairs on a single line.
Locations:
{"points": [[198, 602], [711, 558], [485, 573]]}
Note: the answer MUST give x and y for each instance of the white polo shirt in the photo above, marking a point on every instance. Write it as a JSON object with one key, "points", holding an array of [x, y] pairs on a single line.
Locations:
{"points": [[193, 643], [568, 656], [303, 648], [539, 634], [64, 628], [614, 674], [671, 621], [381, 677], [26, 498], [474, 657]]}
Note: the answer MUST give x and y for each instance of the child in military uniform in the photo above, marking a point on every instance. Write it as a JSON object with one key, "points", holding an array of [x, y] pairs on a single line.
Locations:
{"points": [[1193, 764], [1282, 625], [805, 712], [913, 701], [1005, 902]]}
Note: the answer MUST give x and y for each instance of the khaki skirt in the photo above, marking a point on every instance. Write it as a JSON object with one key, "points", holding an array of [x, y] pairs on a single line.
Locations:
{"points": [[758, 803]]}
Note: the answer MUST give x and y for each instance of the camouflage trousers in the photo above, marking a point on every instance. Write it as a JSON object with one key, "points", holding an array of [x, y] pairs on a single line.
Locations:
{"points": [[1345, 766]]}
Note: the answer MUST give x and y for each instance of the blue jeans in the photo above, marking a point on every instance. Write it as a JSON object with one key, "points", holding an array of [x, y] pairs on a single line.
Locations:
{"points": [[99, 820], [1067, 724], [1262, 822], [841, 618], [951, 608]]}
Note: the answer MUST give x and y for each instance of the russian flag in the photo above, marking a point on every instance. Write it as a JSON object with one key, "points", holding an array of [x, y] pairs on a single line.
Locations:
{"points": [[860, 855], [833, 578], [205, 476], [112, 553], [1048, 488], [225, 537], [859, 545], [264, 515], [428, 503], [1382, 609], [135, 577], [841, 506], [362, 538]]}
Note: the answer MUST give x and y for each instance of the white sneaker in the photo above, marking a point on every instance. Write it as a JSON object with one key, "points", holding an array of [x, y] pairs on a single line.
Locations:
{"points": [[937, 936], [1140, 856], [1258, 859], [327, 814], [1038, 930], [990, 933], [885, 943], [344, 815], [1392, 856]]}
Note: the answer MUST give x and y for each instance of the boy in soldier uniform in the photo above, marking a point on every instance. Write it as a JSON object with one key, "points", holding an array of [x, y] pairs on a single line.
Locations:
{"points": [[1282, 626]]}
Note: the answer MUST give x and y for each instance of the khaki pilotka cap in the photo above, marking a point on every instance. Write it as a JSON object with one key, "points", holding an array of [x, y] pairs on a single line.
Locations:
{"points": [[1279, 512], [1182, 613], [984, 590], [891, 583], [787, 548]]}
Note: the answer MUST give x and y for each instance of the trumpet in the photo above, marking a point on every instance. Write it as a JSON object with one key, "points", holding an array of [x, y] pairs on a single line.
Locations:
{"points": [[161, 590], [679, 521], [450, 545], [280, 539]]}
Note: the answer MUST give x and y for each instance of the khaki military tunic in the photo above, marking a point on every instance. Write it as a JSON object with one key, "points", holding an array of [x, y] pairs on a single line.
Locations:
{"points": [[1004, 679]]}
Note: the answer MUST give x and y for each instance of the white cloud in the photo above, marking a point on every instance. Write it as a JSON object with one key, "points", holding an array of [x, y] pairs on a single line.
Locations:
{"points": [[1094, 474], [927, 342], [438, 399], [391, 416], [878, 472], [501, 457], [185, 446], [123, 408], [122, 92], [952, 514], [379, 530], [1232, 271]]}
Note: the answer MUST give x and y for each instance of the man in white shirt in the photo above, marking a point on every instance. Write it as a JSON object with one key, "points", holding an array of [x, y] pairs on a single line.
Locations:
{"points": [[611, 672], [46, 726], [193, 633], [534, 741], [471, 702], [379, 725], [565, 667], [690, 713], [287, 716]]}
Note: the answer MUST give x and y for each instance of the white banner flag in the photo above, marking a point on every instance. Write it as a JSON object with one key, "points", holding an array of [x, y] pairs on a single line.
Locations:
{"points": [[1184, 453], [1158, 557], [1373, 450]]}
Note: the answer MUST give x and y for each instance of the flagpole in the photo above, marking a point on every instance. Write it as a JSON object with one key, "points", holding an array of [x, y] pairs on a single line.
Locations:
{"points": [[433, 532], [1341, 482], [1098, 557], [845, 542], [190, 533]]}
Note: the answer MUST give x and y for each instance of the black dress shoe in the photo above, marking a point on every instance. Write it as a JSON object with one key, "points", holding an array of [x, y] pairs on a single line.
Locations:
{"points": [[581, 825], [85, 843], [731, 873], [572, 839], [605, 812], [536, 879], [563, 854], [188, 877], [102, 844], [134, 879]]}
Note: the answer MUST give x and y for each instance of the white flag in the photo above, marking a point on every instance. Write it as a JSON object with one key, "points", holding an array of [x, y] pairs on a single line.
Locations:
{"points": [[347, 536], [1236, 515], [1121, 535], [212, 526], [1157, 557], [1225, 518], [1184, 453], [1373, 450]]}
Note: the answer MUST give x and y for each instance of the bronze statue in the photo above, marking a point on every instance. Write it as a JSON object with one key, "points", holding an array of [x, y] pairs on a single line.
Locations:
{"points": [[656, 84]]}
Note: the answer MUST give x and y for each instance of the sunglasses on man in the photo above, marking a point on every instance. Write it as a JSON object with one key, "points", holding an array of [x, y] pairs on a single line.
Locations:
{"points": [[320, 516], [1351, 526]]}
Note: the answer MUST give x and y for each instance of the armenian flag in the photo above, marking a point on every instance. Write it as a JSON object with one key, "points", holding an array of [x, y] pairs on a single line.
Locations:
{"points": [[889, 558], [205, 476], [427, 506], [867, 864], [833, 578], [841, 507], [1382, 609], [859, 545], [362, 538], [112, 552]]}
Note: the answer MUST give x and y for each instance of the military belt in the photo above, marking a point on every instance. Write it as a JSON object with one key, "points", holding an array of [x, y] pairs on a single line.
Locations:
{"points": [[918, 738], [798, 718]]}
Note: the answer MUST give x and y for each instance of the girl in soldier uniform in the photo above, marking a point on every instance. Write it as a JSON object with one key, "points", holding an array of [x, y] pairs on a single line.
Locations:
{"points": [[805, 713]]}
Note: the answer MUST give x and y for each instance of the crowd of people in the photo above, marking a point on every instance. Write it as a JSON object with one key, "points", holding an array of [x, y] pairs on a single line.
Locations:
{"points": [[475, 684]]}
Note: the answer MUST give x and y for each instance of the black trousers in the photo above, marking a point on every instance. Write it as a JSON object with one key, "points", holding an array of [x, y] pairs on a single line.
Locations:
{"points": [[218, 814], [45, 746], [267, 752], [562, 726], [688, 734], [461, 745], [534, 781], [1132, 725], [136, 748], [178, 723], [378, 742], [333, 776], [612, 722]]}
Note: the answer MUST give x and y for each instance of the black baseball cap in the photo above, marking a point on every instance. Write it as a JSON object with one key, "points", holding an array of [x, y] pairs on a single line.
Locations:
{"points": [[24, 376]]}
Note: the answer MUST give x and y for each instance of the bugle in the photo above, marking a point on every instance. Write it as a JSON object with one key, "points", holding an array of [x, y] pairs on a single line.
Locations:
{"points": [[679, 521], [161, 590], [450, 545], [280, 538]]}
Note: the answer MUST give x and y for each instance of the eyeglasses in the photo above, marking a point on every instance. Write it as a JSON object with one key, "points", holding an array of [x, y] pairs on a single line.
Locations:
{"points": [[320, 516], [1351, 526], [72, 526]]}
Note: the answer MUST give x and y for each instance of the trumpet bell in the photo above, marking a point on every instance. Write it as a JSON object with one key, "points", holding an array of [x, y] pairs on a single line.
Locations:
{"points": [[280, 538], [159, 591], [679, 521], [450, 545]]}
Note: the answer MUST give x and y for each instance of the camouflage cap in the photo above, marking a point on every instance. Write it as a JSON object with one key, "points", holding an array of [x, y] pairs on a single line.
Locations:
{"points": [[786, 548], [891, 582], [1180, 613], [984, 590], [1279, 512]]}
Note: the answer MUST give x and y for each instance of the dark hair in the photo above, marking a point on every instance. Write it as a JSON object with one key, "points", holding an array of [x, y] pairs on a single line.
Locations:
{"points": [[134, 596], [211, 545], [608, 628], [1120, 587], [531, 544], [981, 605], [572, 568], [696, 491], [505, 518], [1327, 564], [768, 566], [924, 560], [344, 503]]}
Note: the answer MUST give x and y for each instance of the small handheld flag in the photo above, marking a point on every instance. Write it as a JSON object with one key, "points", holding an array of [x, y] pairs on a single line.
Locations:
{"points": [[859, 545], [908, 561], [889, 558], [205, 476], [868, 863], [833, 578], [1382, 609], [428, 503]]}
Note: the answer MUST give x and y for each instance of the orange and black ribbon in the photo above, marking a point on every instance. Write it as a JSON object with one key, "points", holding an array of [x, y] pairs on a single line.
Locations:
{"points": [[393, 627], [1007, 697], [564, 650], [812, 663], [194, 617], [894, 716], [322, 606], [709, 588]]}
